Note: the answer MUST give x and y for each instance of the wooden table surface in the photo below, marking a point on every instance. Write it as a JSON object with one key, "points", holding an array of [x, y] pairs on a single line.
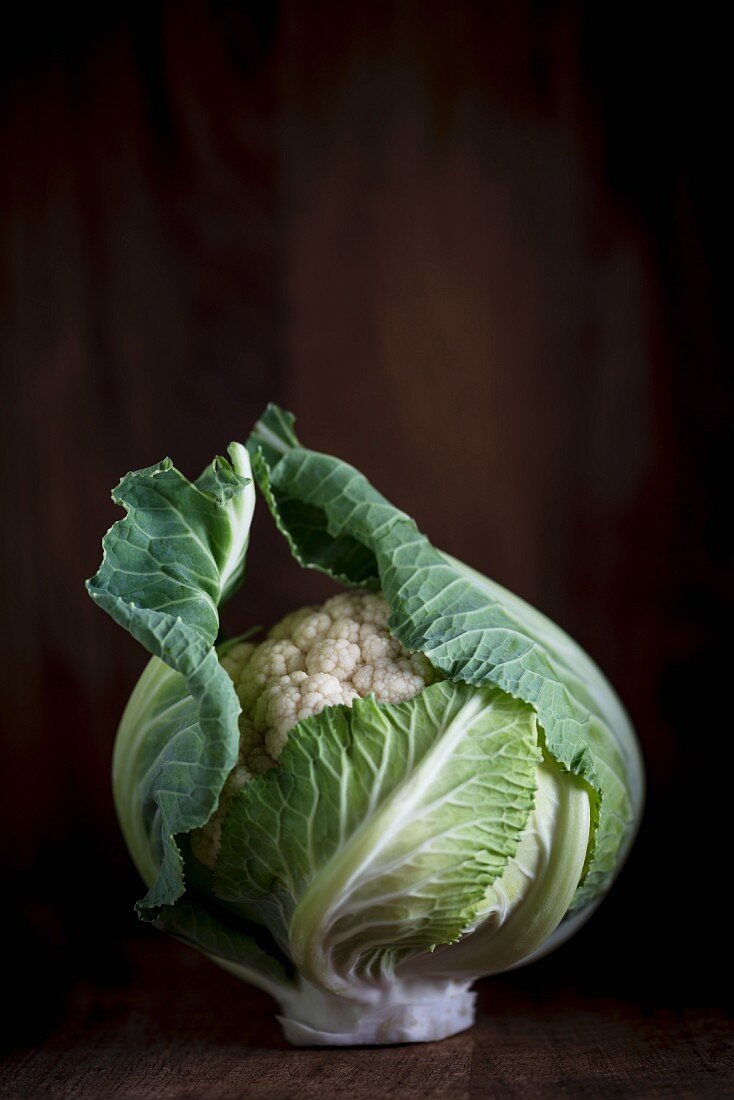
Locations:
{"points": [[179, 1027]]}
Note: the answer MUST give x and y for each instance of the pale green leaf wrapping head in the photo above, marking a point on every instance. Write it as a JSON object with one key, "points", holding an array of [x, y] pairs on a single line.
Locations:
{"points": [[419, 782]]}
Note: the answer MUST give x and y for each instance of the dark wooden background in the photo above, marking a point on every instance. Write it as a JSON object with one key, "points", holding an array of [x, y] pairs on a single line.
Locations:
{"points": [[478, 249]]}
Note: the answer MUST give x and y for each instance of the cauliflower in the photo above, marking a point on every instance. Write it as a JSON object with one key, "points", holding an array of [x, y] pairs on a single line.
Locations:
{"points": [[314, 658], [388, 867]]}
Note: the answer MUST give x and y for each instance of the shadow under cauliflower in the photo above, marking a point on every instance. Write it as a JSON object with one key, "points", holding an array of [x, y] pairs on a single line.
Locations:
{"points": [[315, 657]]}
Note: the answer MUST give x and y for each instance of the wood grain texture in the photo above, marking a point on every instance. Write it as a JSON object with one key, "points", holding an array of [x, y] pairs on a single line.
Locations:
{"points": [[181, 1028]]}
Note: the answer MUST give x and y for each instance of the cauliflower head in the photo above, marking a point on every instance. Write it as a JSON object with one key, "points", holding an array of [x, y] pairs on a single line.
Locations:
{"points": [[316, 657]]}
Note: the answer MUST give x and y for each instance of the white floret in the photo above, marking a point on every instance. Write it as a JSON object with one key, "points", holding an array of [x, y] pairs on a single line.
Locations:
{"points": [[293, 698], [314, 658], [271, 660], [377, 645], [362, 607], [336, 656], [311, 629], [253, 753], [237, 658], [390, 681], [286, 628]]}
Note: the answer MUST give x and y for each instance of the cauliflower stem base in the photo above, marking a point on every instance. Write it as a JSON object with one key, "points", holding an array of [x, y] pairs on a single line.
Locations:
{"points": [[430, 1011]]}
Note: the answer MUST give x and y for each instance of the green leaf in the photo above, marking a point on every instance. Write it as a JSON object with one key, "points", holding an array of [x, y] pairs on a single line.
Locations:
{"points": [[470, 628], [524, 908], [382, 826], [177, 554], [238, 952]]}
